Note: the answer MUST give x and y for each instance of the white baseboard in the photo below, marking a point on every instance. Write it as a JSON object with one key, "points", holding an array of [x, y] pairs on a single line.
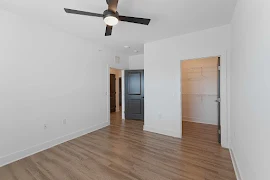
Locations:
{"points": [[162, 131], [236, 170], [41, 147], [201, 121]]}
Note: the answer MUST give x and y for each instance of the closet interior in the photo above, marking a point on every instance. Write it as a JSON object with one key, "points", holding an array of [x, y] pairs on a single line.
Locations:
{"points": [[199, 80]]}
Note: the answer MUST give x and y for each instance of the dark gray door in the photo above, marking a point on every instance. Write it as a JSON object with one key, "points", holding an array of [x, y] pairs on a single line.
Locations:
{"points": [[218, 102], [134, 94]]}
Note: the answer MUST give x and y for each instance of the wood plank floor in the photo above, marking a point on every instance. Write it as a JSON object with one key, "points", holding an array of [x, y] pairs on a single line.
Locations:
{"points": [[202, 132], [123, 151]]}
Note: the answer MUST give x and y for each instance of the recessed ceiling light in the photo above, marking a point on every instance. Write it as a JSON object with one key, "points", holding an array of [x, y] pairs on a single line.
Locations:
{"points": [[135, 51], [126, 47]]}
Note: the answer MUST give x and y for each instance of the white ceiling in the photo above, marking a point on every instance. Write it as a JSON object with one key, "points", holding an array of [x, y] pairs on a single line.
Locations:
{"points": [[169, 18]]}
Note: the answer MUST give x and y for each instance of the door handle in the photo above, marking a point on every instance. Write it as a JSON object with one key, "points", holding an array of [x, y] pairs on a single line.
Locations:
{"points": [[142, 97]]}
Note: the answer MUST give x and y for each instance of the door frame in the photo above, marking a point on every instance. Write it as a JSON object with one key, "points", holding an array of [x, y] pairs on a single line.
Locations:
{"points": [[224, 95], [107, 92]]}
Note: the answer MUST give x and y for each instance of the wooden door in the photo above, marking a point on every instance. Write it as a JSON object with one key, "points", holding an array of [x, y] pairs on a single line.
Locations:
{"points": [[134, 94], [112, 93], [120, 91]]}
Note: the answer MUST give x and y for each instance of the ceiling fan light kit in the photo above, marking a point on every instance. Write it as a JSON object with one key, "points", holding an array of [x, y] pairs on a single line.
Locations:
{"points": [[111, 16]]}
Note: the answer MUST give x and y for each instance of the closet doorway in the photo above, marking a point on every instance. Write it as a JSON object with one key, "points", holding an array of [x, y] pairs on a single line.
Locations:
{"points": [[200, 82]]}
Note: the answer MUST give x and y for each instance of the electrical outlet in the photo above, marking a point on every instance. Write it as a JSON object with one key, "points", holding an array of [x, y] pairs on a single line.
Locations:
{"points": [[64, 121], [45, 126]]}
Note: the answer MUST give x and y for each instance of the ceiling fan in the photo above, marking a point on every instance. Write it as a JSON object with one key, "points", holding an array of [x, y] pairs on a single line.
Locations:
{"points": [[111, 16]]}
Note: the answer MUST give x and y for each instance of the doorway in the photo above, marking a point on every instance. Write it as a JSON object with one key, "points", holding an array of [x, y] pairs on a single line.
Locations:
{"points": [[116, 95], [126, 100], [200, 80], [120, 91], [112, 93]]}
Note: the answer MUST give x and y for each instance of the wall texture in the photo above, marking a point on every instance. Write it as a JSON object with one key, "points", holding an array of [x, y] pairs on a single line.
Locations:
{"points": [[199, 79], [47, 77], [163, 76], [136, 62], [250, 88]]}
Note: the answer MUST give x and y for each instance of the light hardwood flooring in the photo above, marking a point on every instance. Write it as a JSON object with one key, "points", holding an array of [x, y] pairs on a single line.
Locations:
{"points": [[123, 151], [202, 132]]}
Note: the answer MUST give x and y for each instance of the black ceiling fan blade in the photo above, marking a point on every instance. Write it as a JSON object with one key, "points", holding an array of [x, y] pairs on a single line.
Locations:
{"points": [[112, 5], [108, 31], [135, 20], [73, 11]]}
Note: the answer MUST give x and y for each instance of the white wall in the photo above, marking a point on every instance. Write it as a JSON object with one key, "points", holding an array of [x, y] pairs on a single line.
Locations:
{"points": [[136, 62], [250, 87], [162, 77], [199, 79], [45, 77]]}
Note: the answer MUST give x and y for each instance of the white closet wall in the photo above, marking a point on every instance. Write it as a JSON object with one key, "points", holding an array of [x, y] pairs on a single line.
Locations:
{"points": [[199, 90]]}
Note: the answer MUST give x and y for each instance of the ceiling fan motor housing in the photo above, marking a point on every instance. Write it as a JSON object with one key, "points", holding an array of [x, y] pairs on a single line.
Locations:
{"points": [[110, 13]]}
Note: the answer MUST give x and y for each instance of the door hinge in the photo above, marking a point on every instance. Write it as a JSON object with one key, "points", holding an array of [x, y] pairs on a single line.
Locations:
{"points": [[219, 68], [218, 100], [219, 131]]}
